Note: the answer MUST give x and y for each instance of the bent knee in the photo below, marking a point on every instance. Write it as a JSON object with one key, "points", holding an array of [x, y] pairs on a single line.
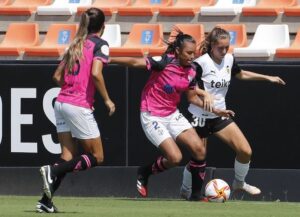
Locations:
{"points": [[175, 160], [245, 153], [99, 159], [199, 152]]}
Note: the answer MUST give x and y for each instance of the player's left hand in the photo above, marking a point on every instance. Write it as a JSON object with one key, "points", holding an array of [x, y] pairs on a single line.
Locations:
{"points": [[277, 80]]}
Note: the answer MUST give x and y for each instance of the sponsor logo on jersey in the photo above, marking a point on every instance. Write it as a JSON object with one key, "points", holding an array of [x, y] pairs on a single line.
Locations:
{"points": [[219, 84]]}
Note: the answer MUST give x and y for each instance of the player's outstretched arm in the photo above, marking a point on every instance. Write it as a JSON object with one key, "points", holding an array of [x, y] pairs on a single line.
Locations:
{"points": [[129, 61], [247, 75], [193, 98]]}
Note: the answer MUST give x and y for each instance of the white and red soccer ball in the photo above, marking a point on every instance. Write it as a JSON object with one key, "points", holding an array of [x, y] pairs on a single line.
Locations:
{"points": [[217, 190]]}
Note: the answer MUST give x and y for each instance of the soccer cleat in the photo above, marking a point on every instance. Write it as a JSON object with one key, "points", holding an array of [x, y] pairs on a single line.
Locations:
{"points": [[46, 207], [252, 190], [198, 199], [142, 181], [47, 180]]}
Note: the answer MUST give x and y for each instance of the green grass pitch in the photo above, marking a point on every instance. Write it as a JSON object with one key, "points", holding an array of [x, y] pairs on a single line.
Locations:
{"points": [[17, 206]]}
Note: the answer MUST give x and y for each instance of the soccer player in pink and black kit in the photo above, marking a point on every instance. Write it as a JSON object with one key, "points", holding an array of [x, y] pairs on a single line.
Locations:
{"points": [[79, 75], [171, 74]]}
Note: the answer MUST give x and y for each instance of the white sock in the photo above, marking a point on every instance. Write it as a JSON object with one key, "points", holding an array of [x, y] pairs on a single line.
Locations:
{"points": [[186, 180], [241, 170]]}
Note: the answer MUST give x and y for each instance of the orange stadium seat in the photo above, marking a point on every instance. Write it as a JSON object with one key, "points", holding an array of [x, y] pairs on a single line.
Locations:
{"points": [[268, 7], [292, 51], [238, 35], [141, 39], [14, 43], [57, 39], [107, 6], [185, 7], [195, 30], [143, 7], [22, 7], [292, 11], [4, 2]]}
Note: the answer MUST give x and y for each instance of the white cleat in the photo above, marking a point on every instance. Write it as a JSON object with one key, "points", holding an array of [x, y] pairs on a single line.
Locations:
{"points": [[243, 186]]}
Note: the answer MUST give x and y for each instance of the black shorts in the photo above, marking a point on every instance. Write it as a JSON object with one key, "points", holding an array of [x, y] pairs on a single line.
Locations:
{"points": [[207, 127]]}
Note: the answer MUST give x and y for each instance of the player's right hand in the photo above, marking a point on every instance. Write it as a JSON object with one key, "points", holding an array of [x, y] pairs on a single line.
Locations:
{"points": [[224, 113], [110, 106]]}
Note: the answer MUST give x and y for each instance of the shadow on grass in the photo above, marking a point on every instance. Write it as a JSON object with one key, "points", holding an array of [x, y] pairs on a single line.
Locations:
{"points": [[149, 199], [59, 212]]}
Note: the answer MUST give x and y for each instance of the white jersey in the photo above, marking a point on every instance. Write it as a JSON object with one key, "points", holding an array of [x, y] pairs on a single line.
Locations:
{"points": [[214, 79]]}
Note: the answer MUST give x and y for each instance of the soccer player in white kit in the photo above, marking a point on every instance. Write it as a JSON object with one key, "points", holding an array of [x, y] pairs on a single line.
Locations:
{"points": [[79, 75], [215, 68]]}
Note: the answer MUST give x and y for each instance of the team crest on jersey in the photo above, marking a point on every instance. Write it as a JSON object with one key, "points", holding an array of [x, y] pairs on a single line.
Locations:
{"points": [[228, 69], [168, 89]]}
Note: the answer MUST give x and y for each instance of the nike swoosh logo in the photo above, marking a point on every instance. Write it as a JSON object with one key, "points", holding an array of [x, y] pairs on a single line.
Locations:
{"points": [[48, 176], [47, 208]]}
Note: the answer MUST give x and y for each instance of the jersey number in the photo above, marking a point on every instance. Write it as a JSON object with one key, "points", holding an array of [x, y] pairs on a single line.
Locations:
{"points": [[198, 122]]}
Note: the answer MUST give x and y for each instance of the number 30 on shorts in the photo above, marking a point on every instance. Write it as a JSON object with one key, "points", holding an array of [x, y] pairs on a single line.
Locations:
{"points": [[198, 122]]}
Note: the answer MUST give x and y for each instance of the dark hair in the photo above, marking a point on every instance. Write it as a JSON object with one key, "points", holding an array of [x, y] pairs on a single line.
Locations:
{"points": [[178, 42], [91, 21], [216, 34]]}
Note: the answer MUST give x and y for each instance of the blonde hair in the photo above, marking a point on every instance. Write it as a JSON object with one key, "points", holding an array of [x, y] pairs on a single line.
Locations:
{"points": [[91, 21]]}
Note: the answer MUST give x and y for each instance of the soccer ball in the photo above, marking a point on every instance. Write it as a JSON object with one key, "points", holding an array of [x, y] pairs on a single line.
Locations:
{"points": [[217, 190]]}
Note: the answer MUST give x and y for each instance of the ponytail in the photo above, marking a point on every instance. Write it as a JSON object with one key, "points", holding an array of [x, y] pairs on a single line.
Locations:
{"points": [[74, 52], [92, 21], [178, 42]]}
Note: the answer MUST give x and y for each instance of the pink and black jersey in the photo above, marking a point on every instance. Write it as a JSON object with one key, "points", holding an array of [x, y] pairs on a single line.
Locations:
{"points": [[79, 88], [168, 80]]}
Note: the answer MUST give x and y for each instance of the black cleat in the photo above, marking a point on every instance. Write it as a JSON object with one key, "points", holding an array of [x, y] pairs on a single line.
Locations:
{"points": [[46, 207], [47, 180]]}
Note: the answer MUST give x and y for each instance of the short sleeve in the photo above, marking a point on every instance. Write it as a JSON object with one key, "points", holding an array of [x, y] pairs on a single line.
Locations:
{"points": [[101, 51], [158, 63], [198, 77], [235, 68], [192, 84]]}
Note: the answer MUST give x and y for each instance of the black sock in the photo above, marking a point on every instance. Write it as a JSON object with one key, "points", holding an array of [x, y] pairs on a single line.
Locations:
{"points": [[79, 163], [197, 169], [57, 180], [156, 167]]}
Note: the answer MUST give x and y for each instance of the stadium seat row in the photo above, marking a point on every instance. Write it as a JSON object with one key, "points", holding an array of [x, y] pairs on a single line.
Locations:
{"points": [[147, 39], [149, 7]]}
